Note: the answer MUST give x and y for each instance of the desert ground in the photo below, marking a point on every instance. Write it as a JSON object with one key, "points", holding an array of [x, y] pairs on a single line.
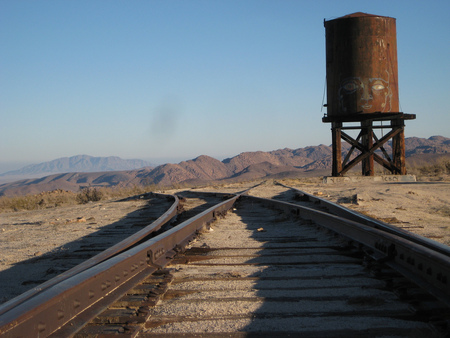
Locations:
{"points": [[419, 207]]}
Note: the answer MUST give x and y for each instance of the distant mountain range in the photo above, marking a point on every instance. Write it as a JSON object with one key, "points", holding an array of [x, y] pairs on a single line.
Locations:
{"points": [[79, 163], [282, 163]]}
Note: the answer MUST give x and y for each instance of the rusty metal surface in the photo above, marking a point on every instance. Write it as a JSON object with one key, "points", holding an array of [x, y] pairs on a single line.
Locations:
{"points": [[59, 306], [114, 250], [264, 274], [425, 267], [360, 218], [51, 309], [372, 117], [362, 86], [361, 65]]}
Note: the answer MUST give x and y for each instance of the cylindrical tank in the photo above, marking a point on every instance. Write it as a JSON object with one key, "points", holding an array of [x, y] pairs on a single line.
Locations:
{"points": [[361, 65]]}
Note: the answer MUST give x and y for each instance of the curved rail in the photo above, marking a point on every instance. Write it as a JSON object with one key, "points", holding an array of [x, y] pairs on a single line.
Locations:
{"points": [[58, 309], [104, 255], [427, 268], [360, 218], [56, 306]]}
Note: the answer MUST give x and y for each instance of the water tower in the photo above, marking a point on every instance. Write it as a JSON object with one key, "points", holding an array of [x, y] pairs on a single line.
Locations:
{"points": [[362, 90]]}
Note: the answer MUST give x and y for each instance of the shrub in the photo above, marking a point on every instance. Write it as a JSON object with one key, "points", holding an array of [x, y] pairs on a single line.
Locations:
{"points": [[89, 194], [49, 199], [57, 198], [439, 168]]}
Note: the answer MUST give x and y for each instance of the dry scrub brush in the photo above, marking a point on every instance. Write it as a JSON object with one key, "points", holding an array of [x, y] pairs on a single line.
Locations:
{"points": [[56, 198], [43, 200], [436, 171]]}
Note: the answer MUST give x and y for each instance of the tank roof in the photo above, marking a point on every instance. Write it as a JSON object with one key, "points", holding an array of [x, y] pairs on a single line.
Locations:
{"points": [[358, 15]]}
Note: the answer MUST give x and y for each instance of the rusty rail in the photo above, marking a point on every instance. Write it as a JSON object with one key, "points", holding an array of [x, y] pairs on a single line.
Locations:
{"points": [[62, 308], [62, 304], [360, 218], [104, 255], [427, 268]]}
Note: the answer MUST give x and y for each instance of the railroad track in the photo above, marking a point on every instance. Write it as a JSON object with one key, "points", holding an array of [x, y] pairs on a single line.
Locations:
{"points": [[292, 264]]}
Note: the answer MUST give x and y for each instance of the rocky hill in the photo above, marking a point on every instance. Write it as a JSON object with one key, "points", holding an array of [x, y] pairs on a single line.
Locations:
{"points": [[308, 161], [432, 145]]}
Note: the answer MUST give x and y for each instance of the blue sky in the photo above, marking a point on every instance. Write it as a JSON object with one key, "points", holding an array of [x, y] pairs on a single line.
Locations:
{"points": [[171, 80]]}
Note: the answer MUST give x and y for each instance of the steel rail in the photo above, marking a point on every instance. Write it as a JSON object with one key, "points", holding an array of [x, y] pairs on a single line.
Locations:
{"points": [[59, 305], [51, 311], [427, 268], [104, 255], [360, 218]]}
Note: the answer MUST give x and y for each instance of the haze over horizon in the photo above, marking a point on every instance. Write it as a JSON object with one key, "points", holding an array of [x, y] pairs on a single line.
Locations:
{"points": [[172, 80]]}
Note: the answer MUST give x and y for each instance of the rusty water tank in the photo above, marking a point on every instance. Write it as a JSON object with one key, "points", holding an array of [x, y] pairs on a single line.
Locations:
{"points": [[361, 65]]}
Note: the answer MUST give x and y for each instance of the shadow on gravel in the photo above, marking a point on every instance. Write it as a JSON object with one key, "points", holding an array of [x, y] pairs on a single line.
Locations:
{"points": [[189, 212], [30, 273], [293, 197], [21, 277], [277, 266], [309, 283]]}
